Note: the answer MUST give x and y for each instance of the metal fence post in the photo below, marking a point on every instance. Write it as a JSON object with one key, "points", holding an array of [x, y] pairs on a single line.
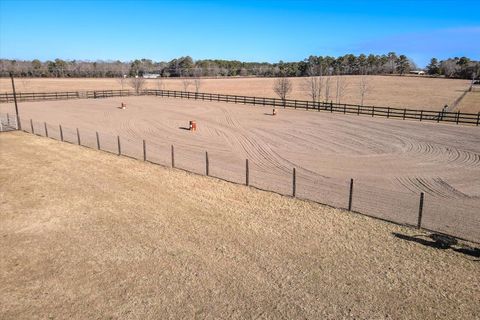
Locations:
{"points": [[206, 163], [420, 211], [421, 115], [119, 147], [294, 183], [31, 126], [78, 137], [173, 157], [350, 197], [458, 116], [46, 130], [404, 113], [61, 132], [144, 151], [478, 118], [247, 173], [98, 140]]}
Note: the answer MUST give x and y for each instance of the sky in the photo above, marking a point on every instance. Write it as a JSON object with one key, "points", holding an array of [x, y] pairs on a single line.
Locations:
{"points": [[260, 31]]}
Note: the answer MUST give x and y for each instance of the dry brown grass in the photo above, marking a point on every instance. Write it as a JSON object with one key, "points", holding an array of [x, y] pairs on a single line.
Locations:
{"points": [[389, 91], [470, 103], [85, 234]]}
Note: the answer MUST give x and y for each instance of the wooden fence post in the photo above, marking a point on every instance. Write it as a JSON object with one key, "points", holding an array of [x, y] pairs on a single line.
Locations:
{"points": [[8, 119], [421, 115], [144, 150], [373, 111], [404, 113], [61, 132], [98, 140], [247, 173], [458, 116], [78, 137], [31, 126], [388, 112], [358, 110], [420, 211], [350, 197], [478, 118], [206, 164], [173, 157], [119, 146], [344, 108], [294, 183]]}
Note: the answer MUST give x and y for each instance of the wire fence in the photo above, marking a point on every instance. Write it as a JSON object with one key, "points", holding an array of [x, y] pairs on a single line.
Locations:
{"points": [[371, 111], [445, 214]]}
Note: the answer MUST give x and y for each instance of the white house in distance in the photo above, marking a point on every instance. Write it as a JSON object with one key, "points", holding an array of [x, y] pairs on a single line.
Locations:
{"points": [[419, 72], [151, 75]]}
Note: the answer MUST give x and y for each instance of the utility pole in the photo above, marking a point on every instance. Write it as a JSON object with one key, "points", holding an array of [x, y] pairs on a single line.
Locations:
{"points": [[19, 126]]}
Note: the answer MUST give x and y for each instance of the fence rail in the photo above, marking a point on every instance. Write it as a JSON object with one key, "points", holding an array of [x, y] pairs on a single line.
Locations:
{"points": [[455, 217], [373, 111], [64, 95], [387, 112]]}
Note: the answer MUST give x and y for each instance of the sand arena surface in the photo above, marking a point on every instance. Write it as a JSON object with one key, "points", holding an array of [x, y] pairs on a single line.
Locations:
{"points": [[385, 91], [89, 235], [391, 161]]}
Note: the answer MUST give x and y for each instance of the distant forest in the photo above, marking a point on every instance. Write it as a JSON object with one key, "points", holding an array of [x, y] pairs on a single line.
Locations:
{"points": [[349, 64]]}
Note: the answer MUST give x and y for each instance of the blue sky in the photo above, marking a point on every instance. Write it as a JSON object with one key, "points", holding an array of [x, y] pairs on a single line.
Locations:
{"points": [[242, 30]]}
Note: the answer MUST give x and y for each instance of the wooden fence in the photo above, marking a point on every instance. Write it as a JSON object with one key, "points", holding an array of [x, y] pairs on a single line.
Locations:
{"points": [[373, 111], [64, 95], [387, 112]]}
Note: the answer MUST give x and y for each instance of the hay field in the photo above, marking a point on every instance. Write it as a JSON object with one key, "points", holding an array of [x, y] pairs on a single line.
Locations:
{"points": [[85, 234], [387, 91], [391, 161], [470, 103]]}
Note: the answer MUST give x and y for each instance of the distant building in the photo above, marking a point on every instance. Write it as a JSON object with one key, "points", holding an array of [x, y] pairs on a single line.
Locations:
{"points": [[419, 72], [151, 75]]}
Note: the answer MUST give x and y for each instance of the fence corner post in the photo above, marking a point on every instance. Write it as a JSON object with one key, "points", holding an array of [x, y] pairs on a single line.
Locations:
{"points": [[119, 146], [144, 150], [98, 140], [294, 183], [420, 211], [78, 137], [206, 164], [350, 197]]}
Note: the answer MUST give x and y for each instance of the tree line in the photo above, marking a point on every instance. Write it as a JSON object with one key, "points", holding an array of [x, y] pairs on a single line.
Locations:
{"points": [[362, 64]]}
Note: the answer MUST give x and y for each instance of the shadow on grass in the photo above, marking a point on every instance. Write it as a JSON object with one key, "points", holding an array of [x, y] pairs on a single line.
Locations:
{"points": [[442, 242]]}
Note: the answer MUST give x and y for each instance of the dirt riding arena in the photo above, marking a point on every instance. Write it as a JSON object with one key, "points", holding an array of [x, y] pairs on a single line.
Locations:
{"points": [[385, 91], [391, 161], [89, 235]]}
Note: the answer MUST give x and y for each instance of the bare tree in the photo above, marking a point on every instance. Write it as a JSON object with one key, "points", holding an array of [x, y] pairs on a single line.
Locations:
{"points": [[160, 83], [122, 81], [198, 83], [364, 87], [186, 82], [327, 88], [282, 87], [137, 84], [341, 86], [314, 84], [197, 72]]}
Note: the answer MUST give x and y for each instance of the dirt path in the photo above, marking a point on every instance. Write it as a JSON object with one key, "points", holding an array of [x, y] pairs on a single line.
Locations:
{"points": [[86, 234]]}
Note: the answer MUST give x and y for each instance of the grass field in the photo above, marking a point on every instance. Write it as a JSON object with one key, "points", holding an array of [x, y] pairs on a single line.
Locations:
{"points": [[470, 103], [391, 161], [85, 234], [387, 91]]}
